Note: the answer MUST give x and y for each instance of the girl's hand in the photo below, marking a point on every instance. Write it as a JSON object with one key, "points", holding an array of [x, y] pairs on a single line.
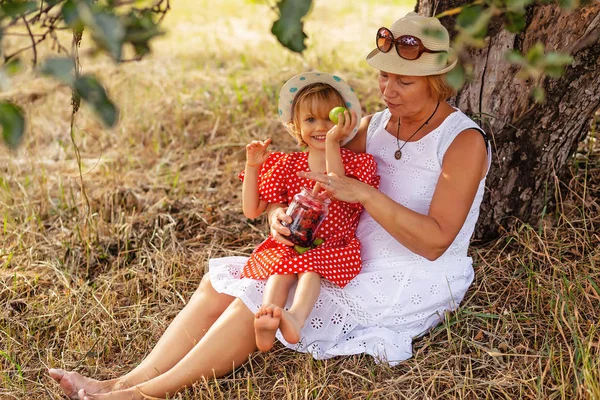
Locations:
{"points": [[341, 188], [346, 123], [256, 152], [276, 214]]}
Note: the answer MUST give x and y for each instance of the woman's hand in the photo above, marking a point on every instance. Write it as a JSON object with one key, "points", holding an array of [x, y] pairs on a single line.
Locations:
{"points": [[341, 188], [276, 214], [346, 123], [256, 152]]}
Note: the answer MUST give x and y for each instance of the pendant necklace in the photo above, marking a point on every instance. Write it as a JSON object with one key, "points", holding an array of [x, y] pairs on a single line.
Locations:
{"points": [[398, 153]]}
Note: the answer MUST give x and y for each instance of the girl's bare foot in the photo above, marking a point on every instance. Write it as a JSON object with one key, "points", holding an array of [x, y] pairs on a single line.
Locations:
{"points": [[290, 327], [126, 394], [72, 382], [265, 326]]}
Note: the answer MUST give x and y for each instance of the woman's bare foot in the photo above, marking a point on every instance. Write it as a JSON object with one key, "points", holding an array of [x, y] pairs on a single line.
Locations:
{"points": [[126, 394], [72, 382], [266, 325], [290, 327]]}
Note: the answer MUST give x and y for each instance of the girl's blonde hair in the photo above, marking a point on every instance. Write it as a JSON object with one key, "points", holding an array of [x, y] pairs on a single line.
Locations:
{"points": [[440, 89], [312, 95]]}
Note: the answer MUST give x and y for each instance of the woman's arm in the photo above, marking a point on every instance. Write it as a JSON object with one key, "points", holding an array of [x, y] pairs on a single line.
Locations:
{"points": [[463, 167]]}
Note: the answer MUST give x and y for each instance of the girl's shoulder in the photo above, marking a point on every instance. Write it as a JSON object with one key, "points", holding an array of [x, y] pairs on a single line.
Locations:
{"points": [[354, 157], [279, 159]]}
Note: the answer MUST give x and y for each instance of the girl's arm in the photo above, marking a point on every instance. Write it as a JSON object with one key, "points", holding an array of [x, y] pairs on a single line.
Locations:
{"points": [[463, 167], [275, 215], [358, 144], [333, 154], [256, 155]]}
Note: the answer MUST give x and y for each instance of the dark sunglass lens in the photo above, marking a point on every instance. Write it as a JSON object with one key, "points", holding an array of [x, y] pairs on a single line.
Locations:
{"points": [[408, 47], [384, 40]]}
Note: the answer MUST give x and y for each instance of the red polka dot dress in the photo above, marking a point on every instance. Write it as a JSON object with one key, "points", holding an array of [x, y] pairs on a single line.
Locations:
{"points": [[338, 258]]}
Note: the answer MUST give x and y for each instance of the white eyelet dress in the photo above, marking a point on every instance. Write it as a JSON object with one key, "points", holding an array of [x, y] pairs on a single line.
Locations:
{"points": [[398, 294]]}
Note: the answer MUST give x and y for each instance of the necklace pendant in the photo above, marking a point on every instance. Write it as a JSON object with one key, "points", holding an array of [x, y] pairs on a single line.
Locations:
{"points": [[398, 154]]}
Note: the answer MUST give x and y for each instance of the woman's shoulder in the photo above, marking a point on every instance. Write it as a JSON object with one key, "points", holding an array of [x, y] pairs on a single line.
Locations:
{"points": [[458, 121], [379, 118], [462, 138]]}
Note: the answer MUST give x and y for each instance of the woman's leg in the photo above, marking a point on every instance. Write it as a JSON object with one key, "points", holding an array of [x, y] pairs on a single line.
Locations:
{"points": [[185, 331], [307, 293], [266, 324], [226, 345]]}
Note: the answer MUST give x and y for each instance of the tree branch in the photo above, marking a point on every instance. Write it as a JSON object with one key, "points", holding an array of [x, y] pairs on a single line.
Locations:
{"points": [[33, 44]]}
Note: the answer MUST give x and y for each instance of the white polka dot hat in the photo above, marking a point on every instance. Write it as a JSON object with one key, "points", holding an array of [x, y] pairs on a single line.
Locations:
{"points": [[293, 86]]}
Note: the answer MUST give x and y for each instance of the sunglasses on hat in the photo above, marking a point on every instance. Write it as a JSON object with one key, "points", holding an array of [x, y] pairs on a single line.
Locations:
{"points": [[407, 46]]}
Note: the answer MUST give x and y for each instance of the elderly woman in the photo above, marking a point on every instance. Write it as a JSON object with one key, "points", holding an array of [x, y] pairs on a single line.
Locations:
{"points": [[415, 233]]}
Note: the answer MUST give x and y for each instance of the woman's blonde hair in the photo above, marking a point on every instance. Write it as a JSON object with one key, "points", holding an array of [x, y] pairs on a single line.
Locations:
{"points": [[440, 89], [312, 95]]}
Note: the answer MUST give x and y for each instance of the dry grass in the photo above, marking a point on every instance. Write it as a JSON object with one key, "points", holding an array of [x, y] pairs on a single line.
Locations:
{"points": [[92, 291]]}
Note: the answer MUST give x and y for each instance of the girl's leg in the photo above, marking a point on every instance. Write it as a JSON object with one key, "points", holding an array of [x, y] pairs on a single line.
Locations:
{"points": [[275, 296], [307, 293], [226, 345], [186, 330]]}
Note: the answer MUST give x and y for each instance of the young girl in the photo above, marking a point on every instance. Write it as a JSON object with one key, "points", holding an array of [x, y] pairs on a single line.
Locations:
{"points": [[304, 105]]}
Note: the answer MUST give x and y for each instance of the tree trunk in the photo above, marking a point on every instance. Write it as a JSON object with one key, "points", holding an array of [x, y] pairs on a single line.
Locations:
{"points": [[532, 143]]}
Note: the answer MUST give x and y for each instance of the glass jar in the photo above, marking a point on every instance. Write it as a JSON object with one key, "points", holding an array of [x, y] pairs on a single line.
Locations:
{"points": [[307, 212]]}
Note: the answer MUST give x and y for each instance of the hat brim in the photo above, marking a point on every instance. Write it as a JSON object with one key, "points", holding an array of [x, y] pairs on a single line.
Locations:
{"points": [[427, 64], [295, 84]]}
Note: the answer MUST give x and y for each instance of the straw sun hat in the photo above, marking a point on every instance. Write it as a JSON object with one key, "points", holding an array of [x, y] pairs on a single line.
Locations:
{"points": [[428, 63], [291, 88]]}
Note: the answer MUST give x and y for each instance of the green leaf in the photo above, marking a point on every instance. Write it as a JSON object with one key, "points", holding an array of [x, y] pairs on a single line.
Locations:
{"points": [[555, 63], [456, 77], [468, 16], [139, 30], [109, 33], [568, 4], [13, 66], [538, 94], [517, 5], [318, 241], [71, 15], [536, 54], [514, 57], [61, 68], [474, 21], [558, 59], [288, 29], [300, 249], [514, 22], [17, 8], [90, 90], [435, 33], [554, 71], [12, 123]]}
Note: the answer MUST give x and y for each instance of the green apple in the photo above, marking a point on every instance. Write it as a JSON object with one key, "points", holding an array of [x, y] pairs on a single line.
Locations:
{"points": [[335, 113], [318, 241]]}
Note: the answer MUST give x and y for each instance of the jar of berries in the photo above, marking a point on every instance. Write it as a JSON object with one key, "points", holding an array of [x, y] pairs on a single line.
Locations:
{"points": [[308, 212]]}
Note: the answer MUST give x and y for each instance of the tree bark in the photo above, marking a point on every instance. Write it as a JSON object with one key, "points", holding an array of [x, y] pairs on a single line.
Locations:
{"points": [[532, 143]]}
